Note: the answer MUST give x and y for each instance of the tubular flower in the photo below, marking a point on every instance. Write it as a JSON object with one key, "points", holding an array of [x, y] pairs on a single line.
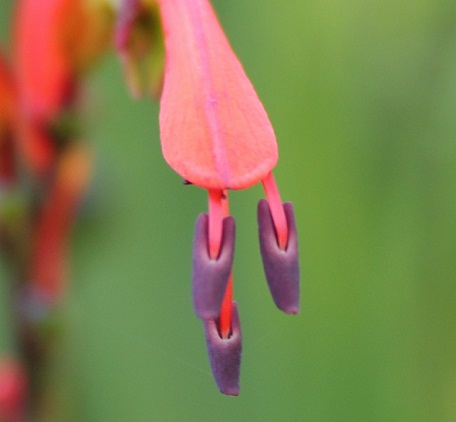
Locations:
{"points": [[44, 170], [55, 221], [216, 134], [54, 41]]}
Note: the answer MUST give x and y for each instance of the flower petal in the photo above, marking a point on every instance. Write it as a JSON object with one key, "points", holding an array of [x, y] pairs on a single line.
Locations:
{"points": [[214, 130]]}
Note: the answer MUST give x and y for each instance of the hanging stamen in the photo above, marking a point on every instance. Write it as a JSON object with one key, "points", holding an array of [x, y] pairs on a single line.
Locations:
{"points": [[210, 276], [225, 354], [281, 267]]}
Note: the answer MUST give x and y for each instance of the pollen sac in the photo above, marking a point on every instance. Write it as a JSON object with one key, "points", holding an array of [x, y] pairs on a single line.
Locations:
{"points": [[210, 276], [225, 354], [280, 266]]}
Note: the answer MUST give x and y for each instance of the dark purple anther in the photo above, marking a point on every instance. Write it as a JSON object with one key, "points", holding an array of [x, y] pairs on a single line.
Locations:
{"points": [[280, 266], [210, 276], [225, 354]]}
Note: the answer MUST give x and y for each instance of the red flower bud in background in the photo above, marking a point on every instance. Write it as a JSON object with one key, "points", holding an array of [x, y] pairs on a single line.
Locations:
{"points": [[13, 387], [44, 170], [55, 220], [54, 42]]}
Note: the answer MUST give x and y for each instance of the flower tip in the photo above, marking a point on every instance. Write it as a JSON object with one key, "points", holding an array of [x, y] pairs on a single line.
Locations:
{"points": [[291, 310], [210, 276], [225, 354], [231, 391], [281, 266]]}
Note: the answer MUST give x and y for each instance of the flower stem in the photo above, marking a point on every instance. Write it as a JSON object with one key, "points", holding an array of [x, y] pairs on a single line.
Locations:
{"points": [[277, 211]]}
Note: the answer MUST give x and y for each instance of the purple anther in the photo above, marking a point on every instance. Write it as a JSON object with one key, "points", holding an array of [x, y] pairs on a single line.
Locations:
{"points": [[280, 266], [210, 276], [225, 354], [128, 13]]}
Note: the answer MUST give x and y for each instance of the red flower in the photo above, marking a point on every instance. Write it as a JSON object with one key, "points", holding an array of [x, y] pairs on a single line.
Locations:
{"points": [[54, 223], [43, 76], [13, 390], [216, 134], [54, 41]]}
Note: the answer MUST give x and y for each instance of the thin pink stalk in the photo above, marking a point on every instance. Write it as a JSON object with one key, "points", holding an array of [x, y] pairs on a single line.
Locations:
{"points": [[277, 211]]}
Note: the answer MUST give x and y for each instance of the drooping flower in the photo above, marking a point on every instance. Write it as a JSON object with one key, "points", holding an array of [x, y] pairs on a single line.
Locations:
{"points": [[55, 41], [216, 134], [54, 223]]}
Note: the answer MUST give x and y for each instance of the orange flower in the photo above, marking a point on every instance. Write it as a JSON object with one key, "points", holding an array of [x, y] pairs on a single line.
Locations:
{"points": [[216, 134]]}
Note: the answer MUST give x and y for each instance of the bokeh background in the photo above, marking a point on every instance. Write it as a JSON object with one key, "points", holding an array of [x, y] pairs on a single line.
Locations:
{"points": [[362, 96]]}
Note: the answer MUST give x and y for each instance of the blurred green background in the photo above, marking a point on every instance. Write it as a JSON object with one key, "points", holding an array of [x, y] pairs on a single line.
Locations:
{"points": [[362, 96]]}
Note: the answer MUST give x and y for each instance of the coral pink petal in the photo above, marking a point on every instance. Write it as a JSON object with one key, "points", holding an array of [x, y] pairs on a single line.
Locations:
{"points": [[214, 129]]}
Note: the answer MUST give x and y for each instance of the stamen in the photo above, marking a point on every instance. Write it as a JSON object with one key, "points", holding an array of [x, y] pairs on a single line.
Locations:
{"points": [[277, 211], [225, 354], [280, 266], [211, 276]]}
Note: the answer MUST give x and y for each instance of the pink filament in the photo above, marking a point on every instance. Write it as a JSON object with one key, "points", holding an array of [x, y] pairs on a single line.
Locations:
{"points": [[216, 216], [277, 211]]}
